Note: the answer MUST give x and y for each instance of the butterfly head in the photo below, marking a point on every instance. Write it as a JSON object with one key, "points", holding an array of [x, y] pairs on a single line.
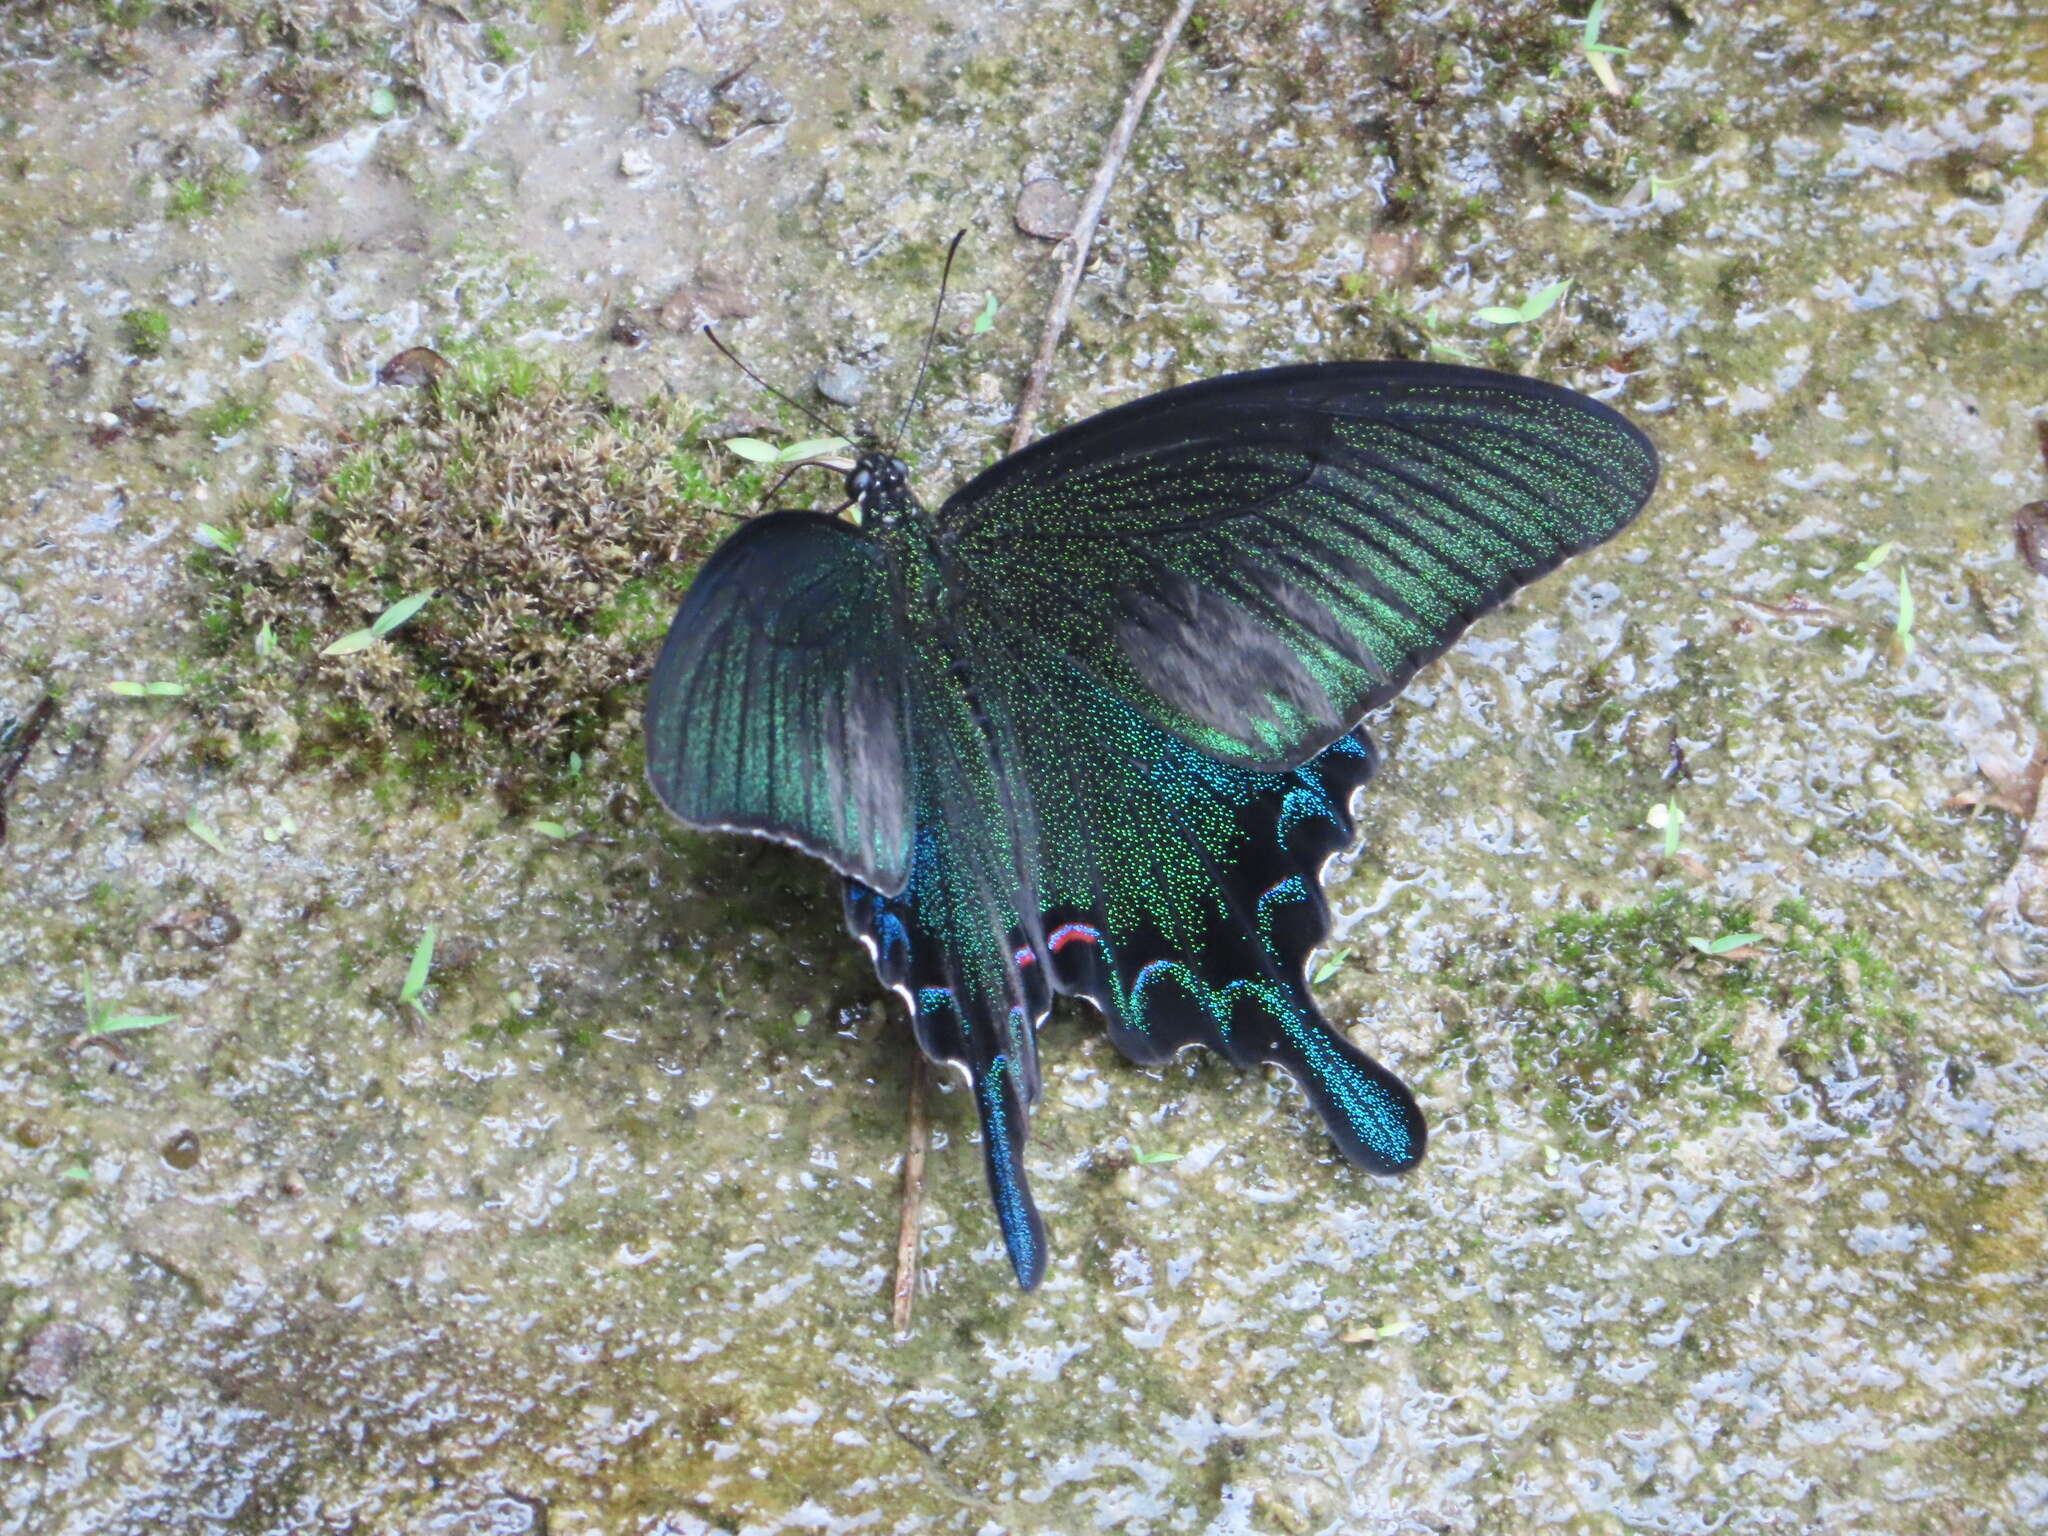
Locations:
{"points": [[880, 484]]}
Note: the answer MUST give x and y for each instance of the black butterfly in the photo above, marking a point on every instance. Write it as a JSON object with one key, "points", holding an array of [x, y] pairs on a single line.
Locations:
{"points": [[1093, 728]]}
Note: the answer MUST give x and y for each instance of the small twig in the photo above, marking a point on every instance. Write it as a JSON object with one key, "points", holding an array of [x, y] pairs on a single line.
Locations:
{"points": [[941, 1475], [1026, 419], [18, 749], [913, 1198], [148, 749], [142, 755]]}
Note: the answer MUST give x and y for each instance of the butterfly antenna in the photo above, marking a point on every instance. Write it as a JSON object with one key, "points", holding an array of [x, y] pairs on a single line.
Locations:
{"points": [[788, 475], [931, 335], [733, 358]]}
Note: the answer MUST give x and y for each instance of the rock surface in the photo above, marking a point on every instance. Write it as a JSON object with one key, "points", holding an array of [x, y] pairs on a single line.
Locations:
{"points": [[596, 1238]]}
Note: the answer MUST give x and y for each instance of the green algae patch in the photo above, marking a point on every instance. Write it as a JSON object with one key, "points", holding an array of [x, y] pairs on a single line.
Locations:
{"points": [[473, 584], [1709, 1005]]}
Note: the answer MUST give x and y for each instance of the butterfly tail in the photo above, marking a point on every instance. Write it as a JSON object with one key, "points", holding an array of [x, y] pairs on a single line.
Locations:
{"points": [[1000, 1105], [1370, 1113], [980, 1019]]}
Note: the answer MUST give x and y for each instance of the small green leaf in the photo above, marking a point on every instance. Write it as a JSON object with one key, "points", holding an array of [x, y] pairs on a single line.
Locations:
{"points": [[225, 539], [811, 448], [128, 690], [1152, 1159], [1538, 304], [120, 1023], [148, 690], [76, 1171], [383, 101], [399, 612], [986, 320], [416, 974], [199, 829], [355, 640], [753, 450], [575, 765], [552, 829], [801, 1018], [1725, 943], [1331, 965], [1874, 559], [266, 640]]}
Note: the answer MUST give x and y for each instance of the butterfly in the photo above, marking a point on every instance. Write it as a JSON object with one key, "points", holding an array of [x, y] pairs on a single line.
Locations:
{"points": [[1092, 729]]}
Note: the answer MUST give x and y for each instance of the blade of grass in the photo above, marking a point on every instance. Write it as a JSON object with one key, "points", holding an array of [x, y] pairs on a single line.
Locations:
{"points": [[416, 974], [355, 640], [199, 829], [399, 612]]}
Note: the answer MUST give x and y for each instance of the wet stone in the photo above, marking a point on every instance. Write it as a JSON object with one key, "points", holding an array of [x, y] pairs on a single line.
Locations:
{"points": [[718, 111], [415, 367], [182, 1151], [705, 299], [1046, 210], [841, 383], [2030, 536], [49, 1359]]}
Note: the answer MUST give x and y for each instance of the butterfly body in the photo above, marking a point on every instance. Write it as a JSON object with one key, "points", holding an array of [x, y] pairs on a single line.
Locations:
{"points": [[1092, 729]]}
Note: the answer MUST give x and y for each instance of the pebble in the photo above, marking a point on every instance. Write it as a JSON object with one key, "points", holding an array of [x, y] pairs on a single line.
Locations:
{"points": [[719, 112], [1046, 210], [415, 368], [841, 383], [635, 163], [182, 1151], [706, 298], [49, 1359]]}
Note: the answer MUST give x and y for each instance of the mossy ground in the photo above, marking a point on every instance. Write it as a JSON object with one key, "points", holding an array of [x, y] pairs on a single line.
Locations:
{"points": [[556, 531], [600, 1242]]}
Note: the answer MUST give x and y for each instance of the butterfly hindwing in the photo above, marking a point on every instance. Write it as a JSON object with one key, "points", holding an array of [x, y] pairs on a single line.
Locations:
{"points": [[1257, 560], [1180, 895], [777, 706]]}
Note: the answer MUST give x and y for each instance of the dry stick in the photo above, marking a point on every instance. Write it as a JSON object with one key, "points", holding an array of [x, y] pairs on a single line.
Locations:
{"points": [[76, 824], [913, 1197], [1119, 145]]}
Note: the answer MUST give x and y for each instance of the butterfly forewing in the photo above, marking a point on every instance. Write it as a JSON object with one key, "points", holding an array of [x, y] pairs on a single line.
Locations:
{"points": [[1257, 560], [777, 705]]}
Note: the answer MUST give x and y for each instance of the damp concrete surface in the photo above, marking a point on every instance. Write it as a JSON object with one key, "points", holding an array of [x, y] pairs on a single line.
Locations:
{"points": [[1696, 898]]}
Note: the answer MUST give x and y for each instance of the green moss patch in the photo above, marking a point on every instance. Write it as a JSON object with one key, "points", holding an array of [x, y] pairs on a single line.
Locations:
{"points": [[555, 530], [1609, 1010]]}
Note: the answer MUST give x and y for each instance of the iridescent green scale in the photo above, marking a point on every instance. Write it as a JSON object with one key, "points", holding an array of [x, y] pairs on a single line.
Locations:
{"points": [[1093, 729]]}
